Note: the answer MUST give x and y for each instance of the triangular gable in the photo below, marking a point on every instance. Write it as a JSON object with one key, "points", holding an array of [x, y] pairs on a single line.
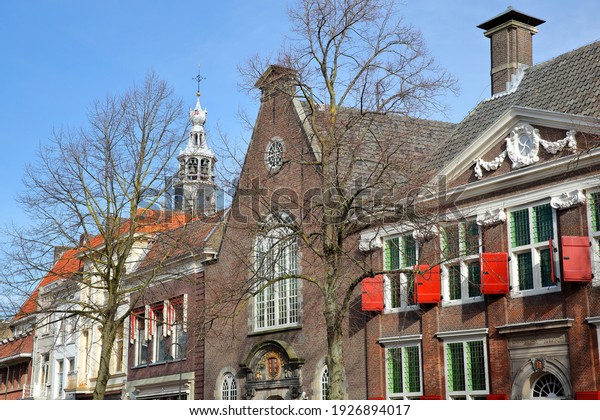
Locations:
{"points": [[496, 134]]}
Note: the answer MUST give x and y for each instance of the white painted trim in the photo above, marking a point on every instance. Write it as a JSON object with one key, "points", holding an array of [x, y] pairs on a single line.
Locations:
{"points": [[304, 121], [594, 237], [400, 341], [462, 335], [404, 395], [497, 131]]}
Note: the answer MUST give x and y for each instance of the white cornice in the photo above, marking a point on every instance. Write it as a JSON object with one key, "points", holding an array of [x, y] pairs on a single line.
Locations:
{"points": [[497, 131], [462, 334], [304, 120], [392, 341]]}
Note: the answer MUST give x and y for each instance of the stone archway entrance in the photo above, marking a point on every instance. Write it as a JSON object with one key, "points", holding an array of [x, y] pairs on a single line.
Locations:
{"points": [[273, 371]]}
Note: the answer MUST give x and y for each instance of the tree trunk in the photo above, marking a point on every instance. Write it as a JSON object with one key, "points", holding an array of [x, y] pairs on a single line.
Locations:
{"points": [[336, 389], [107, 340]]}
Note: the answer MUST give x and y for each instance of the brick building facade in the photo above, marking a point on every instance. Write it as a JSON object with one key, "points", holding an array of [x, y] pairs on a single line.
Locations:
{"points": [[495, 300], [516, 316]]}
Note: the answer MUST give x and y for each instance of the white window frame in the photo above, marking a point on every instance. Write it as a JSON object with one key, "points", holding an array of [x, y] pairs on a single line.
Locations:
{"points": [[323, 382], [402, 343], [228, 380], [594, 236], [534, 248], [463, 261], [273, 297], [403, 278], [453, 337]]}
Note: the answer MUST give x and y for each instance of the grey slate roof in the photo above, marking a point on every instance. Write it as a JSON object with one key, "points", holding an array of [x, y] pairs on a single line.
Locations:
{"points": [[569, 83]]}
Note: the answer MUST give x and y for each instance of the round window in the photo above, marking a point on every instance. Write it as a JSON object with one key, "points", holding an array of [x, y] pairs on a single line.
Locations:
{"points": [[274, 155]]}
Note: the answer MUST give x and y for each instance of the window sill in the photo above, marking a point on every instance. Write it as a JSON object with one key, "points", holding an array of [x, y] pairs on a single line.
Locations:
{"points": [[275, 330], [161, 363], [535, 292], [399, 310], [478, 299]]}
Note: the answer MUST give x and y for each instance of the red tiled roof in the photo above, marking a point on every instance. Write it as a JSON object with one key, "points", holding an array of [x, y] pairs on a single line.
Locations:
{"points": [[16, 346], [148, 221]]}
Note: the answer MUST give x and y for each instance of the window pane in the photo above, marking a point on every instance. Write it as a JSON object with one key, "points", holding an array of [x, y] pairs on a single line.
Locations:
{"points": [[519, 228], [546, 268], [595, 211], [525, 270], [409, 251], [474, 279], [394, 370], [476, 366], [412, 369], [456, 371], [410, 288], [395, 290], [542, 216], [471, 239], [451, 240], [392, 254], [454, 282]]}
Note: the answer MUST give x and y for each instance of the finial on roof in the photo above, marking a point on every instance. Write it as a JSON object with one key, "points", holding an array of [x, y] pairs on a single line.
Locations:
{"points": [[198, 79]]}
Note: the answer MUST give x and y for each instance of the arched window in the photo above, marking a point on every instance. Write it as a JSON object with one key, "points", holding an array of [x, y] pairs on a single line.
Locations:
{"points": [[229, 387], [276, 297], [548, 386], [324, 382]]}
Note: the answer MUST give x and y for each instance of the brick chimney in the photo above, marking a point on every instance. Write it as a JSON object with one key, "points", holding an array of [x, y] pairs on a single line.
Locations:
{"points": [[510, 34], [275, 80]]}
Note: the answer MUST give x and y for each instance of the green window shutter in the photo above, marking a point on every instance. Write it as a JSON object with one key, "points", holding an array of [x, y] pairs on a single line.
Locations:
{"points": [[519, 227], [542, 222]]}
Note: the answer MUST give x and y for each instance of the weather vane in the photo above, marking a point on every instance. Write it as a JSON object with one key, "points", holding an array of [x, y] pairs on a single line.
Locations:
{"points": [[198, 78]]}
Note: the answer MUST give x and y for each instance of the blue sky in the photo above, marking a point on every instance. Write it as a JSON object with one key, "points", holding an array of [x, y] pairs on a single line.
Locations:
{"points": [[59, 55]]}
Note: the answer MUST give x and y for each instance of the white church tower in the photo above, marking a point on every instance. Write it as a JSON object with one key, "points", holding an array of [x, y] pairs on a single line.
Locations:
{"points": [[195, 188]]}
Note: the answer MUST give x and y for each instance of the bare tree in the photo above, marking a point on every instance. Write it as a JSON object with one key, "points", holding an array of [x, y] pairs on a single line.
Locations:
{"points": [[90, 192], [356, 67]]}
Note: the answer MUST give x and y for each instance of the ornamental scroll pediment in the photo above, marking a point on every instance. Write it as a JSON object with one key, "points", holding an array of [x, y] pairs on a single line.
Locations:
{"points": [[522, 148]]}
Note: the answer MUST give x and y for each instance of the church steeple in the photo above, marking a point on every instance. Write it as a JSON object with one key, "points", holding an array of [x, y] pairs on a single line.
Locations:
{"points": [[195, 187]]}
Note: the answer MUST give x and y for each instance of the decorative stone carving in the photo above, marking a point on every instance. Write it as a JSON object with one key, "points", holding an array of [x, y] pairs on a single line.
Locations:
{"points": [[370, 243], [426, 234], [568, 200], [522, 148], [491, 217]]}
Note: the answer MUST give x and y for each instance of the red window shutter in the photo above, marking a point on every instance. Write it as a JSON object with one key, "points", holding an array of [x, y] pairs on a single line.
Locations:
{"points": [[587, 395], [496, 397], [576, 261], [427, 284], [372, 293], [494, 273], [431, 397]]}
